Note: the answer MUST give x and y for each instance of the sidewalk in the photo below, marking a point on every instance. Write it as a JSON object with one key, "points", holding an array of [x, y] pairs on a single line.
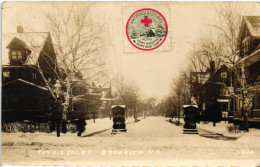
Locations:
{"points": [[220, 128]]}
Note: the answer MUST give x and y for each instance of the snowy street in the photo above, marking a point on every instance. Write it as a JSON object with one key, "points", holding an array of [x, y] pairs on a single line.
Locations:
{"points": [[151, 141]]}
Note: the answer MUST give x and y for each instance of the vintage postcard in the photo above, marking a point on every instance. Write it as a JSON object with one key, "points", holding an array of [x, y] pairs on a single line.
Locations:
{"points": [[130, 83]]}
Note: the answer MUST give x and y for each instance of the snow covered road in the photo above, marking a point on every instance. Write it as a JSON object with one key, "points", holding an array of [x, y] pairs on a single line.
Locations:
{"points": [[151, 141], [148, 127]]}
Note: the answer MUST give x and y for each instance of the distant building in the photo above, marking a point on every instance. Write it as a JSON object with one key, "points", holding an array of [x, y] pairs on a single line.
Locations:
{"points": [[24, 92], [90, 101]]}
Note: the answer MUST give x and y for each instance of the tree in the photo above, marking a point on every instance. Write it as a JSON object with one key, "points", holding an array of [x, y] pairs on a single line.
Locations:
{"points": [[78, 41], [127, 92], [160, 31], [134, 34], [180, 90], [230, 18], [221, 47]]}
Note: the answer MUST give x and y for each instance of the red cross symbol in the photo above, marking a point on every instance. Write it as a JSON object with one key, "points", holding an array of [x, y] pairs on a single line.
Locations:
{"points": [[146, 21]]}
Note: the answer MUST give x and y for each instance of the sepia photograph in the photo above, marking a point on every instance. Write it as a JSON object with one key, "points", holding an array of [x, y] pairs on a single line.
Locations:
{"points": [[134, 83]]}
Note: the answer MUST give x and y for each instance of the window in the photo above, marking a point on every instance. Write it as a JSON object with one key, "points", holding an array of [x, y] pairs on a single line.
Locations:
{"points": [[13, 55], [224, 92], [224, 75], [16, 55], [33, 75], [19, 55], [6, 74]]}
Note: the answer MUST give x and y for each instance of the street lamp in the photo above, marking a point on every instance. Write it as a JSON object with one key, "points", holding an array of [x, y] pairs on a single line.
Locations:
{"points": [[57, 87], [90, 90]]}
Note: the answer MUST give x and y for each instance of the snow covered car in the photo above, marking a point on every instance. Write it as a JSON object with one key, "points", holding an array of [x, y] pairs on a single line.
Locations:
{"points": [[118, 112], [191, 116]]}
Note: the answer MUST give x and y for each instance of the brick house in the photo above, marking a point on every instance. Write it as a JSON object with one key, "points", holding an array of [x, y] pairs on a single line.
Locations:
{"points": [[215, 100]]}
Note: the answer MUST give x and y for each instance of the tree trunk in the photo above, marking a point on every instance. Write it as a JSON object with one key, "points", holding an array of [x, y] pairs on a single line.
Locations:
{"points": [[246, 125], [134, 112], [58, 129]]}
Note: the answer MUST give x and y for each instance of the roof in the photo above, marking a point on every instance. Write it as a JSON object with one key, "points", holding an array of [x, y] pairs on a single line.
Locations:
{"points": [[253, 25], [33, 41], [122, 106], [26, 82], [19, 43], [209, 78], [203, 78]]}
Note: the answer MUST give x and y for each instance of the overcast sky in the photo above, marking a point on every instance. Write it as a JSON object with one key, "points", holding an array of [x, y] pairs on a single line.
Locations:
{"points": [[152, 71]]}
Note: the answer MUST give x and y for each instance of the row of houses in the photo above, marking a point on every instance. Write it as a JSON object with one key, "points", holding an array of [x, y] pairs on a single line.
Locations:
{"points": [[25, 92], [223, 93]]}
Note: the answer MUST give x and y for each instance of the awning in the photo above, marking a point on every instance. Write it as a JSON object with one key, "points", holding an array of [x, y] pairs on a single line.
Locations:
{"points": [[122, 106], [223, 100], [185, 106]]}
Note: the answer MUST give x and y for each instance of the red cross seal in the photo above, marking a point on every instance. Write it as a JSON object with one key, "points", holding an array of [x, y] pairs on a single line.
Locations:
{"points": [[146, 29], [146, 21]]}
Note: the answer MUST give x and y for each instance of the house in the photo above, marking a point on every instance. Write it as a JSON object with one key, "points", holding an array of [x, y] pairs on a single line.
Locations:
{"points": [[249, 65], [216, 102], [211, 91], [89, 101], [150, 33], [28, 62]]}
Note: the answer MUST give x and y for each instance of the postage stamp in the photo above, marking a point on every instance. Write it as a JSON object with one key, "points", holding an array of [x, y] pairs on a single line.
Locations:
{"points": [[146, 29]]}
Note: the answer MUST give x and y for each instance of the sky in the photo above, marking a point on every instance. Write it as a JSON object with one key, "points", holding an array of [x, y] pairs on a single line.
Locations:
{"points": [[152, 71]]}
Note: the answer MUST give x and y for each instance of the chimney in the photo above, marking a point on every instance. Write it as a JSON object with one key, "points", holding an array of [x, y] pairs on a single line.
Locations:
{"points": [[19, 29], [212, 66], [93, 84]]}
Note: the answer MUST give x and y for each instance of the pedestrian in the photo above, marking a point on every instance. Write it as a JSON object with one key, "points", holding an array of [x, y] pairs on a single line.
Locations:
{"points": [[80, 123]]}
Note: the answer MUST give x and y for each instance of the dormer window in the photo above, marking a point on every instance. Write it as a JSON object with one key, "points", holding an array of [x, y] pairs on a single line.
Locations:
{"points": [[16, 55], [19, 51]]}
